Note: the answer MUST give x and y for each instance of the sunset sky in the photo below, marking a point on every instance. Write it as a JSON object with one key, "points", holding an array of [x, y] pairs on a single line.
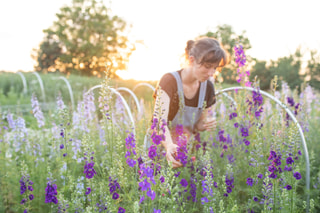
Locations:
{"points": [[275, 28]]}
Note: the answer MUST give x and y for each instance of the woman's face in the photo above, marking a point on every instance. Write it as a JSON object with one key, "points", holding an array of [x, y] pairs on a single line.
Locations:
{"points": [[204, 71]]}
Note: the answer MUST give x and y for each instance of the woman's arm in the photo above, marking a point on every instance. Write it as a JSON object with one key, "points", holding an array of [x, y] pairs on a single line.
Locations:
{"points": [[161, 111]]}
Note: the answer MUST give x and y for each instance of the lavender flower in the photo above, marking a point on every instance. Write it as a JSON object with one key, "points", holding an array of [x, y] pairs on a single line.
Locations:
{"points": [[37, 111]]}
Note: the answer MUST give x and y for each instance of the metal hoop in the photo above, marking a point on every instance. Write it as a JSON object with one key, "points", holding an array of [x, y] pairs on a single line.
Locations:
{"points": [[122, 99]]}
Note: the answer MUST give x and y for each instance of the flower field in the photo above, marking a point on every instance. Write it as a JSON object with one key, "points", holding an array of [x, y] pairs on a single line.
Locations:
{"points": [[93, 158]]}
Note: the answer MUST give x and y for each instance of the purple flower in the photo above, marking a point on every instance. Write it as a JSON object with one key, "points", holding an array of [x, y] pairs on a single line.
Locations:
{"points": [[236, 125], [246, 142], [204, 200], [151, 194], [244, 131], [260, 176], [297, 175], [215, 184], [286, 168], [289, 160], [131, 162], [152, 152], [23, 188], [23, 201], [51, 192], [88, 191], [299, 152], [177, 174], [65, 154], [145, 185], [31, 197], [115, 196], [273, 175], [229, 189], [156, 139], [156, 211], [121, 210], [184, 182], [30, 188], [255, 199], [288, 187], [249, 181], [89, 170], [272, 155], [61, 146], [161, 179]]}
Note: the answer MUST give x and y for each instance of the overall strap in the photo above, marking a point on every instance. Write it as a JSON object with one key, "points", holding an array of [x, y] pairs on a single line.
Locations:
{"points": [[179, 86], [203, 89]]}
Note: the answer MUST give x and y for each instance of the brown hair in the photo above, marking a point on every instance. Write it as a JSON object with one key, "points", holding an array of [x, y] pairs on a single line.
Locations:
{"points": [[206, 50]]}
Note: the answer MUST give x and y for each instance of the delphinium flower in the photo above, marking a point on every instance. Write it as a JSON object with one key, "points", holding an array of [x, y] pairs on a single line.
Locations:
{"points": [[147, 177], [193, 189], [130, 145], [37, 111], [89, 170], [182, 151], [60, 103], [26, 189], [51, 192], [113, 187], [295, 107], [156, 211], [275, 163]]}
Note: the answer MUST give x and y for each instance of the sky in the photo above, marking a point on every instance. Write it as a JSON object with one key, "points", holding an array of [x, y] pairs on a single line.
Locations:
{"points": [[275, 28]]}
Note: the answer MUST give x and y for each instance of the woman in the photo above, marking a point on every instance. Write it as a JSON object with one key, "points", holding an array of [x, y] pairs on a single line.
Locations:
{"points": [[182, 95]]}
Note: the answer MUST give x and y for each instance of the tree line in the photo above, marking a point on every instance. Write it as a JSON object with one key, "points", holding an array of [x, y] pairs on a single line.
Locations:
{"points": [[87, 40]]}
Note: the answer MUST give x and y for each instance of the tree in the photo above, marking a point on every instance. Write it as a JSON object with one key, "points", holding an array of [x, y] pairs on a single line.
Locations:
{"points": [[229, 39], [286, 68], [86, 40], [313, 70]]}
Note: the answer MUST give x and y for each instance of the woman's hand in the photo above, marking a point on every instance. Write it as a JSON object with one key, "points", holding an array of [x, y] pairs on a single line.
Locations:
{"points": [[208, 123], [171, 151]]}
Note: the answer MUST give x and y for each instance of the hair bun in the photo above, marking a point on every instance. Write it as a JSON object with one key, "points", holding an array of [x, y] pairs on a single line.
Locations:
{"points": [[190, 44]]}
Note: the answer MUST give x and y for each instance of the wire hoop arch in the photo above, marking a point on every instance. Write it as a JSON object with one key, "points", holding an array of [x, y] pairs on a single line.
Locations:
{"points": [[294, 120], [133, 95], [143, 84], [122, 99]]}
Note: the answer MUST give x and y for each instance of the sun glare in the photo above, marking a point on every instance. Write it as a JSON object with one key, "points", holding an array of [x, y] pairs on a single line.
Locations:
{"points": [[146, 64]]}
